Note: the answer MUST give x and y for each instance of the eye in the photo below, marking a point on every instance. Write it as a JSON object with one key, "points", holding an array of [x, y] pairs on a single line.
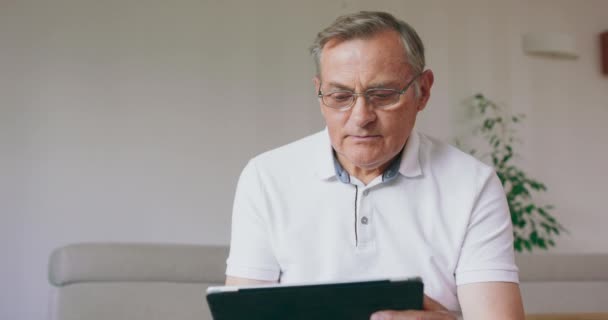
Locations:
{"points": [[340, 96], [380, 95]]}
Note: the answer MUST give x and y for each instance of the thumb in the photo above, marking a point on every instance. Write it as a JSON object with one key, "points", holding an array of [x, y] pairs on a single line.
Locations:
{"points": [[432, 305]]}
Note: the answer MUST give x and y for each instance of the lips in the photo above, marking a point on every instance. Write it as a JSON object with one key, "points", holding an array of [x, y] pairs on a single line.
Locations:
{"points": [[365, 137]]}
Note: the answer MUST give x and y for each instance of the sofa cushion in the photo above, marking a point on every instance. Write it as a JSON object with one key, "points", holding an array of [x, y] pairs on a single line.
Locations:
{"points": [[87, 262], [563, 283], [134, 281], [132, 301]]}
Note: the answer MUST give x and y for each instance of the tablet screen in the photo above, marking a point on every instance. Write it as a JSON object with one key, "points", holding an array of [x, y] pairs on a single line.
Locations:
{"points": [[336, 301]]}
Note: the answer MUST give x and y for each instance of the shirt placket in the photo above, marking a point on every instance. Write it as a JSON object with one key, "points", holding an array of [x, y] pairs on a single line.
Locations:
{"points": [[364, 216]]}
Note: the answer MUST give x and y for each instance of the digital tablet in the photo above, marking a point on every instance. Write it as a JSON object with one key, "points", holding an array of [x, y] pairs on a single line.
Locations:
{"points": [[336, 301]]}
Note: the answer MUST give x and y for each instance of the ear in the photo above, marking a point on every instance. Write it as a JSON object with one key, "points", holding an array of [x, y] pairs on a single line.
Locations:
{"points": [[426, 83], [317, 82]]}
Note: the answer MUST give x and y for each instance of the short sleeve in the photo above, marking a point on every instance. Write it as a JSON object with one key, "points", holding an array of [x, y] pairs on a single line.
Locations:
{"points": [[487, 254], [251, 254]]}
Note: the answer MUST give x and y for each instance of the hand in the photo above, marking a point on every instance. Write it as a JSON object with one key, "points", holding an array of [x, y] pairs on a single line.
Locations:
{"points": [[433, 310]]}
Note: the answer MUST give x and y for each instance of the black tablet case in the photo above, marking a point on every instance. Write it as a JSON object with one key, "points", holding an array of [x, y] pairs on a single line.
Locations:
{"points": [[343, 301]]}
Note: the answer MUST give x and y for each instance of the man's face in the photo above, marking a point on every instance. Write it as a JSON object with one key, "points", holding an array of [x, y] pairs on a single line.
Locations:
{"points": [[362, 136]]}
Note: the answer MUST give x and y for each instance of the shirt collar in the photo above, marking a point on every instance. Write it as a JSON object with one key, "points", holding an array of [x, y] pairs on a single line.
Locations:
{"points": [[407, 163], [410, 161], [324, 157]]}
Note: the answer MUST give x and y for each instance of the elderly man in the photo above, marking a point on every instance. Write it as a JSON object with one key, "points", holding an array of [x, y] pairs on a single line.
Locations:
{"points": [[369, 197]]}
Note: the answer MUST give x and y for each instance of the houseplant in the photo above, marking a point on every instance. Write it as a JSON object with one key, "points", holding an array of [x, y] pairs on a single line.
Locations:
{"points": [[533, 225]]}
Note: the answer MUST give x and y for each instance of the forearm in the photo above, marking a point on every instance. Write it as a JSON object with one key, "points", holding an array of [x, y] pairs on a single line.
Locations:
{"points": [[491, 300]]}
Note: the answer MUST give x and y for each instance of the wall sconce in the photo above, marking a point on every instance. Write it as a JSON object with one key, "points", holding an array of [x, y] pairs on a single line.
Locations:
{"points": [[555, 45], [604, 51]]}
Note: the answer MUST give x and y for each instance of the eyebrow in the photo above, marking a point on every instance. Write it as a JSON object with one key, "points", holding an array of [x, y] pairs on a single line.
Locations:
{"points": [[336, 85], [373, 85]]}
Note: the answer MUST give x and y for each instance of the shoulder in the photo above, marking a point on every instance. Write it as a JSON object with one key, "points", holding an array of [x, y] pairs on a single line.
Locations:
{"points": [[292, 157], [442, 158]]}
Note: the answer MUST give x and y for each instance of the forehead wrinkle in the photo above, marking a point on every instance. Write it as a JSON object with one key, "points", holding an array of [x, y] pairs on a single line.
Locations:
{"points": [[376, 73], [363, 67], [381, 80]]}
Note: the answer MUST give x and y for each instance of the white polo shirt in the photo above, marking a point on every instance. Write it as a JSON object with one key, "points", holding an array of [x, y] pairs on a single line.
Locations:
{"points": [[437, 213]]}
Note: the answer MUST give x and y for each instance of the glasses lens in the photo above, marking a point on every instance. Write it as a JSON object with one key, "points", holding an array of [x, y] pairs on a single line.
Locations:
{"points": [[339, 99], [377, 97], [382, 97]]}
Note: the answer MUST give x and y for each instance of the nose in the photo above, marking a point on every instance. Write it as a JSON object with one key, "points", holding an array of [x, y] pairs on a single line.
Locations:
{"points": [[362, 112]]}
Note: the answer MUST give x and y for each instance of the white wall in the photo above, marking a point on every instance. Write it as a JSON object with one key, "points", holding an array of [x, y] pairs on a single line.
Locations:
{"points": [[131, 120]]}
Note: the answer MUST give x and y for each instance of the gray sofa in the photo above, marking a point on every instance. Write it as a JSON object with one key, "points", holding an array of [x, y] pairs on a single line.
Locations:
{"points": [[128, 281], [99, 281], [564, 283]]}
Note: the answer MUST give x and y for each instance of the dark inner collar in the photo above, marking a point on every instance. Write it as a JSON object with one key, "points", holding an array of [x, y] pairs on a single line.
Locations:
{"points": [[389, 174]]}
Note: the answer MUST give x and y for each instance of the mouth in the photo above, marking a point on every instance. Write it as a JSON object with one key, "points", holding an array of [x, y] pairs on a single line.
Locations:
{"points": [[364, 138]]}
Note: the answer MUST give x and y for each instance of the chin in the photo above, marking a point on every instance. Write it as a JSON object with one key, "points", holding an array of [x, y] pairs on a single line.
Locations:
{"points": [[366, 163]]}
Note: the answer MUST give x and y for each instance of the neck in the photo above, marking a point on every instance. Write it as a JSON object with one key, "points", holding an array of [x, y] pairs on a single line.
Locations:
{"points": [[365, 175]]}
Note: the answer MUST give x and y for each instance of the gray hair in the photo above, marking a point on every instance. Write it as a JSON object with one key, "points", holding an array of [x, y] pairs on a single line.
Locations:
{"points": [[366, 24]]}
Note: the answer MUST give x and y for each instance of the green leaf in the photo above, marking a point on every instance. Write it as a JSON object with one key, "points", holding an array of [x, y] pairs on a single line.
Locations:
{"points": [[546, 227], [534, 237], [517, 244], [546, 215]]}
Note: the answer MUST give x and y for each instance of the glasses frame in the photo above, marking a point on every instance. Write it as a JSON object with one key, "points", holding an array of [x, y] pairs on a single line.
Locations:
{"points": [[321, 95]]}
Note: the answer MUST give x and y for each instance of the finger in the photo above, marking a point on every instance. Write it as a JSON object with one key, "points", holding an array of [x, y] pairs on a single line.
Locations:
{"points": [[431, 305], [411, 315]]}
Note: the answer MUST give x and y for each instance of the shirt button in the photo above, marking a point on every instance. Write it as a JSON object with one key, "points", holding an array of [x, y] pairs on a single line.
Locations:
{"points": [[366, 192], [364, 220]]}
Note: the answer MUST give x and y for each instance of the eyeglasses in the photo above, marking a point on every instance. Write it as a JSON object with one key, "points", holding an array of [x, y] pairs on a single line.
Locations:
{"points": [[378, 98]]}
